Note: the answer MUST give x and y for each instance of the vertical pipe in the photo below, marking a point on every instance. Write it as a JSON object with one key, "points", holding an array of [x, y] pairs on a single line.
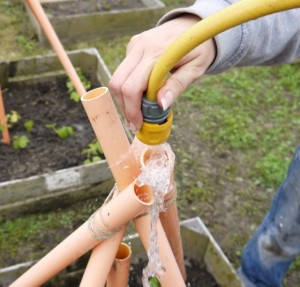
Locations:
{"points": [[45, 24], [172, 275], [170, 222], [169, 218], [119, 273], [110, 133], [5, 133]]}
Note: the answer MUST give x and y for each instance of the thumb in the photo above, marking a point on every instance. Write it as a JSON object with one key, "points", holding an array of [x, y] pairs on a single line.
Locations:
{"points": [[175, 85]]}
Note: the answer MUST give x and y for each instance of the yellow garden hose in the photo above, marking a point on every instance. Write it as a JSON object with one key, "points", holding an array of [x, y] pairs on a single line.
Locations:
{"points": [[231, 16]]}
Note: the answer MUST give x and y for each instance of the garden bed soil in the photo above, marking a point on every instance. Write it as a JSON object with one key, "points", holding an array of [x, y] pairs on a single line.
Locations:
{"points": [[44, 103], [197, 275], [88, 6]]}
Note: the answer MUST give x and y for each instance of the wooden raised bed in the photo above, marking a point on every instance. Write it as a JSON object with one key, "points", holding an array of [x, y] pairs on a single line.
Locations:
{"points": [[92, 23], [65, 186]]}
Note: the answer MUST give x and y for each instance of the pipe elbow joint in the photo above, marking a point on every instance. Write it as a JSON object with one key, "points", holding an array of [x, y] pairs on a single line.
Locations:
{"points": [[157, 124]]}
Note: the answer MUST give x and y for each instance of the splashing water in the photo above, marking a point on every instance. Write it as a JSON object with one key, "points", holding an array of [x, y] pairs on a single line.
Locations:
{"points": [[156, 173]]}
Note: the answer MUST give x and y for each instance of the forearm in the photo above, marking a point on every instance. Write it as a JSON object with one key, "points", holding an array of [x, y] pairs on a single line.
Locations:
{"points": [[269, 40]]}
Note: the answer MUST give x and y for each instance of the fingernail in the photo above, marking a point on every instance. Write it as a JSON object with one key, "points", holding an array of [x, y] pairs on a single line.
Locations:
{"points": [[167, 100], [132, 127]]}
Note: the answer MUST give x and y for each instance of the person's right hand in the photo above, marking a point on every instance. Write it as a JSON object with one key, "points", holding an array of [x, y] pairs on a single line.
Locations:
{"points": [[130, 79]]}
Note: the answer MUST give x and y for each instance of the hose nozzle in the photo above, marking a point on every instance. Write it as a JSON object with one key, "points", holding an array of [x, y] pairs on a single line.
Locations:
{"points": [[157, 124]]}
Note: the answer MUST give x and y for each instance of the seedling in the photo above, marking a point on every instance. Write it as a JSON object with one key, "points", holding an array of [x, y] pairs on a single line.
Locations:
{"points": [[29, 125], [63, 132], [74, 96], [12, 118], [93, 152], [20, 142], [154, 282]]}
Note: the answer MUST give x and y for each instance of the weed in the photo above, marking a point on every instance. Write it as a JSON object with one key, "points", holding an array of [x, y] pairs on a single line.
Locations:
{"points": [[28, 44], [154, 282], [29, 125], [62, 132], [12, 118], [93, 152], [74, 96], [20, 142]]}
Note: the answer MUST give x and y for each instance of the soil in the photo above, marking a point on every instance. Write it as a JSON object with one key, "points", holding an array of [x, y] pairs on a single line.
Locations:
{"points": [[89, 6], [44, 104], [196, 272]]}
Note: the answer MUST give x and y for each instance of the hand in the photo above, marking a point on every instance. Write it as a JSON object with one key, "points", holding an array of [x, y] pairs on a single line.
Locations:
{"points": [[130, 79]]}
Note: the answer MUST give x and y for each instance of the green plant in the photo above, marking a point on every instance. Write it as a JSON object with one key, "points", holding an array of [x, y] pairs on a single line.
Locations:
{"points": [[74, 96], [154, 282], [2, 128], [29, 125], [12, 118], [63, 132], [20, 142], [28, 44], [93, 152]]}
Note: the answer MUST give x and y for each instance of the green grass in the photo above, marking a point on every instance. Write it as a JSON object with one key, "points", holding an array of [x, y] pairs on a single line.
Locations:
{"points": [[253, 110]]}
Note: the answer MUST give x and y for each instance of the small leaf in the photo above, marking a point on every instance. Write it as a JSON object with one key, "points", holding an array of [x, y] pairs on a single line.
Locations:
{"points": [[87, 161], [75, 97], [29, 125], [154, 282], [96, 158]]}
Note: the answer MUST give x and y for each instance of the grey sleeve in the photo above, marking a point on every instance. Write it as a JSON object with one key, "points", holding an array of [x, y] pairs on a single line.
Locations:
{"points": [[269, 40]]}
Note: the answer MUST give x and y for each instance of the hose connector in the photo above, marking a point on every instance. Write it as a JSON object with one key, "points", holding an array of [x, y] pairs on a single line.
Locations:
{"points": [[157, 124]]}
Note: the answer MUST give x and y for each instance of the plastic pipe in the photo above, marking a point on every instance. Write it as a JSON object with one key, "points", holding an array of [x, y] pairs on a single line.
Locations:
{"points": [[170, 222], [207, 28], [5, 133], [125, 167], [45, 24], [172, 275], [101, 261], [119, 274], [169, 218], [110, 133], [110, 216]]}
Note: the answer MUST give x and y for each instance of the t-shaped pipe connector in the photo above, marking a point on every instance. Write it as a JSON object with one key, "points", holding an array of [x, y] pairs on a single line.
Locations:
{"points": [[157, 123]]}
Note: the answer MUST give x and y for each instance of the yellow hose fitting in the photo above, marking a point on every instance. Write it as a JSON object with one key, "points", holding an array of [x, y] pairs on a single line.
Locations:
{"points": [[155, 133], [157, 123]]}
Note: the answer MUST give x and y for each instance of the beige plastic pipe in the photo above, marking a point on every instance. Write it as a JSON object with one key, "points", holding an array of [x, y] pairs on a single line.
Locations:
{"points": [[125, 168], [5, 133], [45, 24], [110, 133], [172, 275], [110, 216], [119, 273], [169, 218], [170, 222]]}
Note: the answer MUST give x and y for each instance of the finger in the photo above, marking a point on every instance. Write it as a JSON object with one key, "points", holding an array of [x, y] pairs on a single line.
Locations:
{"points": [[133, 90], [122, 73], [177, 83]]}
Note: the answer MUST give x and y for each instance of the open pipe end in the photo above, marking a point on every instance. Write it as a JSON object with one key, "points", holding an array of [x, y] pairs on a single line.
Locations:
{"points": [[93, 94], [144, 193], [124, 252]]}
